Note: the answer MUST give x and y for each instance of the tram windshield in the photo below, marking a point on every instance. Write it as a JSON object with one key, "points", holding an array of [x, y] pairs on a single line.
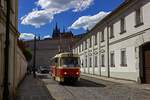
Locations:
{"points": [[70, 61]]}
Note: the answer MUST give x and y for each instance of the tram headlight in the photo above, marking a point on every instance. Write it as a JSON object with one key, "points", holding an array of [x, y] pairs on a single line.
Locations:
{"points": [[77, 73], [65, 73]]}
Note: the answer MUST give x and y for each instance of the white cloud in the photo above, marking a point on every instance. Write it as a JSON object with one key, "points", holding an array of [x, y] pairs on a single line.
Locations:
{"points": [[37, 18], [26, 36], [46, 36], [88, 21], [48, 8]]}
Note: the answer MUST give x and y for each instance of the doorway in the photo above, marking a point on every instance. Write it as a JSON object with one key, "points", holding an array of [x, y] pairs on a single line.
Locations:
{"points": [[145, 63]]}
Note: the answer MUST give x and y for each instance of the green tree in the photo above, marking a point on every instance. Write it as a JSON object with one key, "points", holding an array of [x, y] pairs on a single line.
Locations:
{"points": [[27, 52]]}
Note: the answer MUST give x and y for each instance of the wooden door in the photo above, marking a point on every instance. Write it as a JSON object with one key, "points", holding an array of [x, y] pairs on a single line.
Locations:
{"points": [[147, 66]]}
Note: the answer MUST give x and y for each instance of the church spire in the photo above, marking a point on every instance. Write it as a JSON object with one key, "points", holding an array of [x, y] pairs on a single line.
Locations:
{"points": [[56, 31]]}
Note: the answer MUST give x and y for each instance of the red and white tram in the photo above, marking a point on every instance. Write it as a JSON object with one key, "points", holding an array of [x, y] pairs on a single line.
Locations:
{"points": [[65, 67]]}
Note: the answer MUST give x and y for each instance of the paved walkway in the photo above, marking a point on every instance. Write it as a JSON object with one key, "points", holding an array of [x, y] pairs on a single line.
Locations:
{"points": [[33, 89], [119, 81]]}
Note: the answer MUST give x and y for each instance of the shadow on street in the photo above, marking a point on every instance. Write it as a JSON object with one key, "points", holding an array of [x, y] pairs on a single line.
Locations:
{"points": [[83, 83]]}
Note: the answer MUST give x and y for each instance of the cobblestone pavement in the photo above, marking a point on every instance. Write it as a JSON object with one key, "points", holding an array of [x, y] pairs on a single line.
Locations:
{"points": [[33, 89], [95, 90]]}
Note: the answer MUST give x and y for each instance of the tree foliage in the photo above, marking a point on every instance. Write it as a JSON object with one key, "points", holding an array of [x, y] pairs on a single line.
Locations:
{"points": [[27, 53]]}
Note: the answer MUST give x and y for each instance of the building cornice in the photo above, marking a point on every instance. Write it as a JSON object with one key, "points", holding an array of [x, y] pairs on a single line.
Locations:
{"points": [[128, 37]]}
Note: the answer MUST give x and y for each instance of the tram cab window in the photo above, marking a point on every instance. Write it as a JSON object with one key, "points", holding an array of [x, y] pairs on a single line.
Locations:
{"points": [[55, 62], [70, 61]]}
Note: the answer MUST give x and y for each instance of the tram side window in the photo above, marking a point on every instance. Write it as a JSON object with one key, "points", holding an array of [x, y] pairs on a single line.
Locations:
{"points": [[56, 62]]}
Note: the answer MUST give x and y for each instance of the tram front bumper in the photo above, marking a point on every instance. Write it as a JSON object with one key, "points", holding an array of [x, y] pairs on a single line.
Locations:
{"points": [[71, 79]]}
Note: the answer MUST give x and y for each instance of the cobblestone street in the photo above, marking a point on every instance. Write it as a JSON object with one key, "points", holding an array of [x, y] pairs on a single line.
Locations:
{"points": [[99, 90], [87, 88]]}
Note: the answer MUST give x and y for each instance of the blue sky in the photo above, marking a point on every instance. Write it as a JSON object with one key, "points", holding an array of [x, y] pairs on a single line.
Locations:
{"points": [[40, 16]]}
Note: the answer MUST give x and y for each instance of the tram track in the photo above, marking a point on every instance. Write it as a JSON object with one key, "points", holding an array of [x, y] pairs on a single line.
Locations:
{"points": [[69, 91]]}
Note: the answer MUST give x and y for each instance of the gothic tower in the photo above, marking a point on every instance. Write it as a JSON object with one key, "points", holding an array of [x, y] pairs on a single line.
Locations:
{"points": [[56, 32]]}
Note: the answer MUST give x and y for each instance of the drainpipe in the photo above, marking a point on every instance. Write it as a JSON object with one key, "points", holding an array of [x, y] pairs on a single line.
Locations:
{"points": [[108, 70], [6, 55]]}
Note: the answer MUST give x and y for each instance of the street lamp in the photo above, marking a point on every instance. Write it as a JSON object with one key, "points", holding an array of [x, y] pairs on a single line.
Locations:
{"points": [[34, 58]]}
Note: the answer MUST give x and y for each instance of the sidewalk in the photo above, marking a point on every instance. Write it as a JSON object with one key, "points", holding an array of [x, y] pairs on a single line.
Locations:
{"points": [[117, 81], [33, 89], [110, 79]]}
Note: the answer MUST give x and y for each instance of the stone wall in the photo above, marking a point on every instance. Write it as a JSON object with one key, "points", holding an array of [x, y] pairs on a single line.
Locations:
{"points": [[17, 62]]}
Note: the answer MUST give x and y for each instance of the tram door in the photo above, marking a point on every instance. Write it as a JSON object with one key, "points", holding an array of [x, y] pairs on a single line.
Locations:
{"points": [[147, 66]]}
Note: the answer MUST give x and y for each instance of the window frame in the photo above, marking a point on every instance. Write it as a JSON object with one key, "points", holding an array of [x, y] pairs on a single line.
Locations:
{"points": [[123, 58], [111, 31], [122, 25], [95, 37], [112, 59], [102, 36], [139, 17], [90, 62], [90, 42], [86, 44], [86, 62], [103, 60], [95, 61], [0, 3], [80, 48]]}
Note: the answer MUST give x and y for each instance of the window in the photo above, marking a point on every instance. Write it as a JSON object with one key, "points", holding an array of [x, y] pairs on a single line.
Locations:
{"points": [[55, 62], [111, 31], [0, 3], [103, 60], [102, 36], [112, 59], [123, 58], [70, 61], [90, 61], [90, 45], [76, 50], [138, 17], [95, 39], [122, 26], [95, 61], [86, 44], [79, 48], [82, 47], [86, 61], [82, 64]]}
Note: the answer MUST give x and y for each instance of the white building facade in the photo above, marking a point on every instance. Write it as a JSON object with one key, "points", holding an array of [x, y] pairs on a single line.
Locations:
{"points": [[119, 45]]}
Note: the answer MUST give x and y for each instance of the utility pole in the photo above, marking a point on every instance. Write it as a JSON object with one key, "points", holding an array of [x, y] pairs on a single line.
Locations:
{"points": [[34, 58], [6, 54]]}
